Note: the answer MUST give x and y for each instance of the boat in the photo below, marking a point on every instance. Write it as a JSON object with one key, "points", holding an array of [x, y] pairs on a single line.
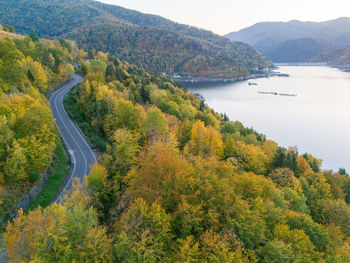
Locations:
{"points": [[252, 84]]}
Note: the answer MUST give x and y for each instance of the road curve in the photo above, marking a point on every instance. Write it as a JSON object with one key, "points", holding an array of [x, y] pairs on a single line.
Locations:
{"points": [[82, 156]]}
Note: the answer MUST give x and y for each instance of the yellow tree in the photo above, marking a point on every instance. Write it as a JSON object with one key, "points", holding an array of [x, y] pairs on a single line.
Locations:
{"points": [[36, 75], [146, 229], [6, 136], [188, 250], [301, 247], [102, 190], [122, 114], [161, 175], [155, 123], [284, 177], [96, 246], [122, 153], [270, 148], [316, 186], [16, 162], [215, 143], [251, 158], [229, 147], [66, 232], [303, 166], [38, 155], [198, 145], [223, 247], [23, 233]]}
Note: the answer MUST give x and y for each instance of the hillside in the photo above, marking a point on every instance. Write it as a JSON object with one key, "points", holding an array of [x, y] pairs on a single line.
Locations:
{"points": [[268, 37], [178, 182], [4, 34], [29, 141], [297, 50], [149, 41], [339, 56]]}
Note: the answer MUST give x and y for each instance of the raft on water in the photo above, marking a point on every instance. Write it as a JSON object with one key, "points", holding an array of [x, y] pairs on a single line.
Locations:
{"points": [[277, 94]]}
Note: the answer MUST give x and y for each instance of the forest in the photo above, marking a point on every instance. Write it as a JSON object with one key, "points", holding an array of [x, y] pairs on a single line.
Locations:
{"points": [[29, 68], [339, 57], [298, 50], [151, 42], [178, 182]]}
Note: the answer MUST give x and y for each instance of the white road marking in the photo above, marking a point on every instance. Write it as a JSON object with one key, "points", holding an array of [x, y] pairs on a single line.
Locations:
{"points": [[62, 93], [88, 146], [74, 162]]}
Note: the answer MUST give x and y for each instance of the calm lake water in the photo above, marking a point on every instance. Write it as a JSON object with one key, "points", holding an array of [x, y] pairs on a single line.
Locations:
{"points": [[317, 120]]}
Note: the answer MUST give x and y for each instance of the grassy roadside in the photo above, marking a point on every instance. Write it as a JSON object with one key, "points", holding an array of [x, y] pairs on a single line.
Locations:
{"points": [[59, 169], [2, 243], [58, 173]]}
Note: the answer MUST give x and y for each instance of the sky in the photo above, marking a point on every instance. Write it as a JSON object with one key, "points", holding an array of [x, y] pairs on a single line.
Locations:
{"points": [[225, 16]]}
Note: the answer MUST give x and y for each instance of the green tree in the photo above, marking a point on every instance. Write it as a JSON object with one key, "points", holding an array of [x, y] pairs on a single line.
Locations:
{"points": [[147, 231], [229, 147], [284, 177], [34, 37], [9, 28], [276, 251], [6, 136], [251, 158], [12, 69], [121, 155], [155, 123], [302, 248], [16, 162], [123, 115], [102, 190]]}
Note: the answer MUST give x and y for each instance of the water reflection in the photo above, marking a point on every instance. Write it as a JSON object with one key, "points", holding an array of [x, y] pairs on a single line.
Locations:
{"points": [[317, 120]]}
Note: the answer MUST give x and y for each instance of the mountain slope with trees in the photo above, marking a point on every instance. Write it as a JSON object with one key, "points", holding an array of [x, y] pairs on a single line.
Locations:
{"points": [[29, 68], [339, 57], [268, 37], [298, 50], [149, 41], [178, 182]]}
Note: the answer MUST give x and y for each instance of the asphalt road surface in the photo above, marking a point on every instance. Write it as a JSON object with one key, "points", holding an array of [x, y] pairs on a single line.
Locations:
{"points": [[81, 154]]}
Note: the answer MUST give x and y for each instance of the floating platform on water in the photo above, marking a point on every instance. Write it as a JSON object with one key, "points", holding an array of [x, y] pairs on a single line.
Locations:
{"points": [[277, 93]]}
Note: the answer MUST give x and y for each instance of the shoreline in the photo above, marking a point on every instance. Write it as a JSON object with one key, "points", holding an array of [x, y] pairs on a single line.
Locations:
{"points": [[194, 80], [208, 80]]}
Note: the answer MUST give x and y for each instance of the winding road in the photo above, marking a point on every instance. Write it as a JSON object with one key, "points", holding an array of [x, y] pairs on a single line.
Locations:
{"points": [[82, 156]]}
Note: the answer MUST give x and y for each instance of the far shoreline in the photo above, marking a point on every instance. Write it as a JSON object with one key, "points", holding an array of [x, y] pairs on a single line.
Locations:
{"points": [[208, 80]]}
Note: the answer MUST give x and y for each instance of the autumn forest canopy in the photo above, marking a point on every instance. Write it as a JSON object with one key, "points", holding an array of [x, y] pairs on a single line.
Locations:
{"points": [[29, 68], [175, 181]]}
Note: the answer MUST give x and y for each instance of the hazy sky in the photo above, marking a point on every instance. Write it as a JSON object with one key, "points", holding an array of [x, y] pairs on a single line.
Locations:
{"points": [[224, 16]]}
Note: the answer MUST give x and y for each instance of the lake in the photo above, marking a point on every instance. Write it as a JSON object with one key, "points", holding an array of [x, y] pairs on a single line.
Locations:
{"points": [[317, 120]]}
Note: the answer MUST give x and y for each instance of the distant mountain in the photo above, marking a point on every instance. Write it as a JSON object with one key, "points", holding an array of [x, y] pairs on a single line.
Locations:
{"points": [[270, 38], [340, 56], [297, 50], [149, 41]]}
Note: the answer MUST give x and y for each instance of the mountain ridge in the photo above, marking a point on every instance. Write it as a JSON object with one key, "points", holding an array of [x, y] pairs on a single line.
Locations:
{"points": [[267, 37], [148, 41]]}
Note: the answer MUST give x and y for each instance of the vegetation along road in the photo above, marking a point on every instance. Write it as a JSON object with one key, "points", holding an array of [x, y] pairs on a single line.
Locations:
{"points": [[82, 155]]}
